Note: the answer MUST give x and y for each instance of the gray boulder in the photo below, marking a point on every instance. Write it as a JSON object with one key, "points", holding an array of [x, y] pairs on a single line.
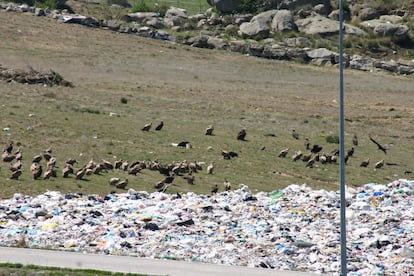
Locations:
{"points": [[298, 42], [225, 5], [325, 26], [175, 16], [283, 21], [386, 28], [254, 29], [139, 16], [369, 13], [361, 63]]}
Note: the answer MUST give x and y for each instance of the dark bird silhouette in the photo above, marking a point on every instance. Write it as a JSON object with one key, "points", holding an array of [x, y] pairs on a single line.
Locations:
{"points": [[184, 144], [9, 147], [283, 152], [316, 149], [147, 127], [15, 166], [380, 147], [7, 157], [159, 126], [351, 152], [214, 189], [16, 174], [355, 140], [242, 135], [365, 163], [209, 130], [71, 161], [379, 164], [229, 154], [19, 154], [295, 135], [307, 157]]}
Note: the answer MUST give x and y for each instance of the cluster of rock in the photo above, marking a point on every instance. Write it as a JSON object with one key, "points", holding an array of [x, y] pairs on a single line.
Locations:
{"points": [[32, 77], [252, 34]]}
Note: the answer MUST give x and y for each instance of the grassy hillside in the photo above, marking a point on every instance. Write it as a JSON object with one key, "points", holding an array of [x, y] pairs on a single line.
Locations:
{"points": [[138, 80]]}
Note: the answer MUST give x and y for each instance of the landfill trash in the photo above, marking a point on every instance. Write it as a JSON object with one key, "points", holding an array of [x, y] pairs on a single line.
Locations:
{"points": [[295, 228]]}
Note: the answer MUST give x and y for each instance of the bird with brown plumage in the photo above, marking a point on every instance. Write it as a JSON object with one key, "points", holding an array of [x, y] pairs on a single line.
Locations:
{"points": [[16, 174], [365, 163], [283, 152], [159, 126], [209, 130], [242, 135], [147, 127]]}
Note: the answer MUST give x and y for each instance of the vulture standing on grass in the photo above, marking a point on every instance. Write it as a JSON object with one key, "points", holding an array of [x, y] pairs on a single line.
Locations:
{"points": [[122, 184], [36, 170], [365, 163], [147, 127], [295, 135], [379, 164], [214, 189], [210, 168], [227, 185], [209, 130], [189, 178], [159, 126], [307, 144], [283, 152], [16, 174], [242, 135], [355, 140]]}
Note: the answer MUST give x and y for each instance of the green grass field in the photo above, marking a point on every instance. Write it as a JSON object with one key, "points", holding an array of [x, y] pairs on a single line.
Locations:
{"points": [[139, 81]]}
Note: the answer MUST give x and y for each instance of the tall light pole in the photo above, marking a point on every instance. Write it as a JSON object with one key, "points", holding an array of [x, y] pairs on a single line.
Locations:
{"points": [[341, 142]]}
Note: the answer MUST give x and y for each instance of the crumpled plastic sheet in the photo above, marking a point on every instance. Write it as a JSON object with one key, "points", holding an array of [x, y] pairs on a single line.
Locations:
{"points": [[296, 228]]}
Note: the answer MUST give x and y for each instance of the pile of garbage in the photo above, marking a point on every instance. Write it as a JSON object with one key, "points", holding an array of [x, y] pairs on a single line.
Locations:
{"points": [[296, 228], [32, 76]]}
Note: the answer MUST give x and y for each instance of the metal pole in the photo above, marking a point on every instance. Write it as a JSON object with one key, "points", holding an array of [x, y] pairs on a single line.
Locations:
{"points": [[341, 142]]}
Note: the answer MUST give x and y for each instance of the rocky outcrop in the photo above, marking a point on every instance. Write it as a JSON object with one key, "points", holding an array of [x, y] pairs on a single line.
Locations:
{"points": [[242, 32], [283, 21]]}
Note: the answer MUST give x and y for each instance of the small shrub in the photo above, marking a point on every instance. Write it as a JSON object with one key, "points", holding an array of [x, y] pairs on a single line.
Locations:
{"points": [[140, 6], [51, 4], [332, 139]]}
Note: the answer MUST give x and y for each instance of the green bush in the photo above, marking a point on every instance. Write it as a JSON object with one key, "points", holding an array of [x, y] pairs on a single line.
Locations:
{"points": [[122, 3], [332, 139], [140, 6]]}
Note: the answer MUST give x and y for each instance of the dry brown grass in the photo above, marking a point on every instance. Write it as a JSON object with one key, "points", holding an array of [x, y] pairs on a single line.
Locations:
{"points": [[189, 89]]}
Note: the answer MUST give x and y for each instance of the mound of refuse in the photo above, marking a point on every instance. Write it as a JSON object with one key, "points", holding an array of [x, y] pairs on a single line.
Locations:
{"points": [[295, 228], [32, 76]]}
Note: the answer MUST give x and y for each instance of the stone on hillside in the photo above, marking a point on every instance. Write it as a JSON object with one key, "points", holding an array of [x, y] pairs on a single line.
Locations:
{"points": [[254, 29], [239, 46], [225, 5], [283, 21], [39, 12], [318, 25], [320, 53], [242, 18], [255, 49], [334, 15], [325, 26], [274, 52], [79, 19], [391, 18], [298, 42], [200, 41], [175, 16], [390, 66], [385, 28], [155, 23], [217, 43], [295, 4], [361, 63], [139, 16], [369, 13]]}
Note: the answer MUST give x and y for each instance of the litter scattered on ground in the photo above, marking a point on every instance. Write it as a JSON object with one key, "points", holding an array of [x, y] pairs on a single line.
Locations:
{"points": [[296, 228]]}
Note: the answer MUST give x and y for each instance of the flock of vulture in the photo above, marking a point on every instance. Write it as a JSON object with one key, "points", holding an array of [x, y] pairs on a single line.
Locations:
{"points": [[311, 155]]}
